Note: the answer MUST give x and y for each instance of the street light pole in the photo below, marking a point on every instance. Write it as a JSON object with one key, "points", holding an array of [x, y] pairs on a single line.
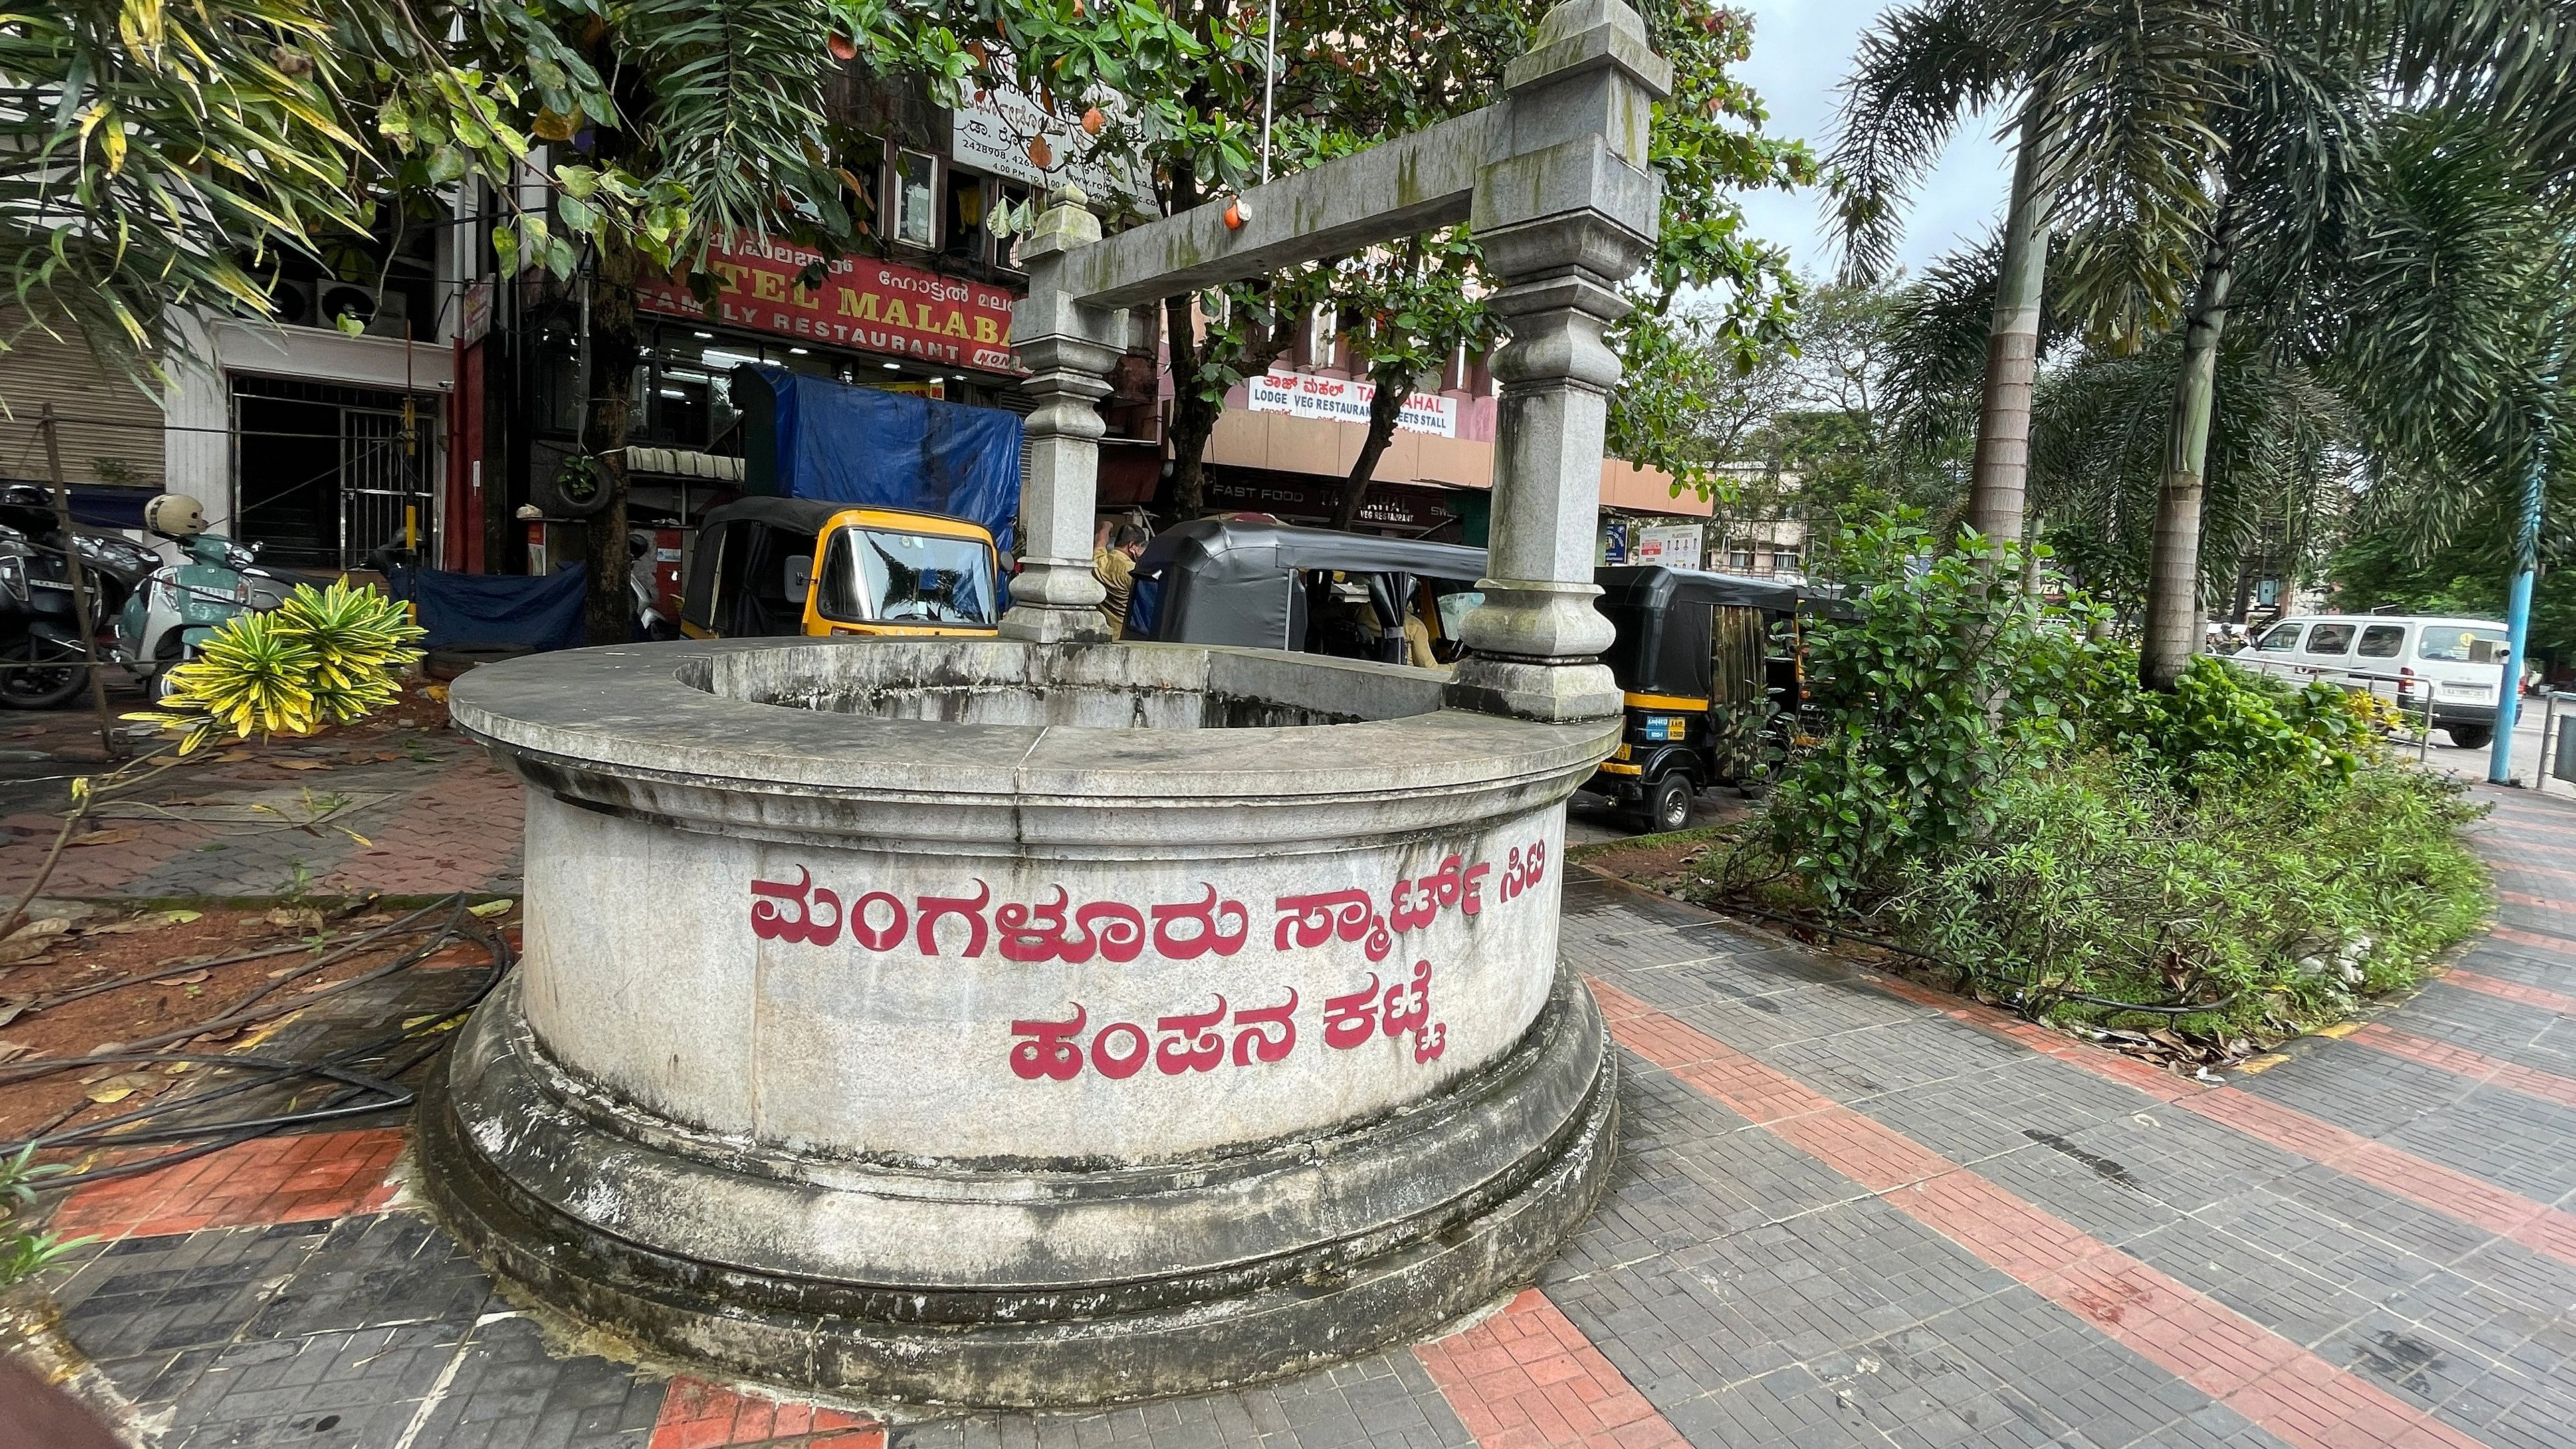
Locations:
{"points": [[2526, 562]]}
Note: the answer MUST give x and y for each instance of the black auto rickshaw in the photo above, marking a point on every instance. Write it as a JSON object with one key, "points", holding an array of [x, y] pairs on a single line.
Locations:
{"points": [[1709, 665], [1309, 590], [789, 566]]}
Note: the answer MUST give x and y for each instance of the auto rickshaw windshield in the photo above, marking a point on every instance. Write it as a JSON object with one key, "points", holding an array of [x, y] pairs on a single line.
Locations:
{"points": [[879, 576]]}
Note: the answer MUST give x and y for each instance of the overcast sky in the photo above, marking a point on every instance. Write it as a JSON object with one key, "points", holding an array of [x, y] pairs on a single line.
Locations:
{"points": [[1801, 51]]}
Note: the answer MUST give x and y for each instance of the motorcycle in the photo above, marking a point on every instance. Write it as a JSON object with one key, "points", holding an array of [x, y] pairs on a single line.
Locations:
{"points": [[42, 657], [181, 606]]}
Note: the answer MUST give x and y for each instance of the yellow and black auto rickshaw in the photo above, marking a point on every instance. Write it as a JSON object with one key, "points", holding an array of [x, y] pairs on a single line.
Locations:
{"points": [[1711, 679], [786, 566]]}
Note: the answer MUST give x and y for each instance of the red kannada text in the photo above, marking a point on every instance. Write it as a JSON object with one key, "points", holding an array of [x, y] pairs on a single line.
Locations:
{"points": [[1196, 1041]]}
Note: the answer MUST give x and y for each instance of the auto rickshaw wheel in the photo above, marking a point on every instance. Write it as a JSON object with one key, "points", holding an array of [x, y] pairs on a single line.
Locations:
{"points": [[1667, 804]]}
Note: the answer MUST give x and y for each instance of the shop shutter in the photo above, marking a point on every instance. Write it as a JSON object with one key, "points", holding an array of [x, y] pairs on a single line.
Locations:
{"points": [[111, 428]]}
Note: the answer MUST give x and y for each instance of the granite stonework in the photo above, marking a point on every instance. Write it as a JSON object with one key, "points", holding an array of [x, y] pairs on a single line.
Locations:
{"points": [[958, 1021], [947, 1021], [1555, 182]]}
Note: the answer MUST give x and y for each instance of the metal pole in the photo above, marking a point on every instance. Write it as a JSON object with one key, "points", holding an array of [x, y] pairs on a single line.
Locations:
{"points": [[1269, 78], [2548, 720], [2517, 616], [80, 584]]}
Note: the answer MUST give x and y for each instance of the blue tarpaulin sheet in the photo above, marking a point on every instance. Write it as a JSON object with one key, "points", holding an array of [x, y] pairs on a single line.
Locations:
{"points": [[543, 613], [877, 449]]}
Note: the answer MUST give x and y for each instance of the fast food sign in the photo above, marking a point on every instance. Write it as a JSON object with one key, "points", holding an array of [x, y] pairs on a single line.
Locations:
{"points": [[862, 303]]}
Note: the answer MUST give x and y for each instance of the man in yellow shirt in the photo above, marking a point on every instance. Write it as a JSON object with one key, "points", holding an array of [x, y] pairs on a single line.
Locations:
{"points": [[1114, 564]]}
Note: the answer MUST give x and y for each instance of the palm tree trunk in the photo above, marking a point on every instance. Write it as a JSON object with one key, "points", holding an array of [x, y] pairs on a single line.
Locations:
{"points": [[2173, 577], [1995, 486]]}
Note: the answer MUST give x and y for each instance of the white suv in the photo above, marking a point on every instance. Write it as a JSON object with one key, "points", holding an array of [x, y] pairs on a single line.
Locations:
{"points": [[2460, 661]]}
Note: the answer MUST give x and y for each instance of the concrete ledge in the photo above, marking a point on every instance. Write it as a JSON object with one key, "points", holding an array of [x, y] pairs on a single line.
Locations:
{"points": [[682, 735], [1390, 1264]]}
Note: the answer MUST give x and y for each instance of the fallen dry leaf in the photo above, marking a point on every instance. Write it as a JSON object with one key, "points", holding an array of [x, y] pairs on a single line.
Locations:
{"points": [[190, 979], [153, 922], [109, 837], [49, 926], [489, 909], [9, 1012], [10, 1051], [301, 764], [121, 1086], [21, 950], [295, 918]]}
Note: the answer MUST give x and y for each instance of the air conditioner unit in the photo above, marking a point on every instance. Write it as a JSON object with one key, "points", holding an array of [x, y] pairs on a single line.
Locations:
{"points": [[345, 299], [293, 302], [380, 314]]}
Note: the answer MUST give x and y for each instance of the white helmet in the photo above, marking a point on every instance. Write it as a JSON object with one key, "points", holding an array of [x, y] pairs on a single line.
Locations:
{"points": [[175, 515]]}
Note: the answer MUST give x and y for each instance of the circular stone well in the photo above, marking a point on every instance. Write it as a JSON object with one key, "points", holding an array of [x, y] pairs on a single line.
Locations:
{"points": [[1003, 1024]]}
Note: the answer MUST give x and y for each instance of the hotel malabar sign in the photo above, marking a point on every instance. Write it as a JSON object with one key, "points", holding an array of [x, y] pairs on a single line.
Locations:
{"points": [[862, 303]]}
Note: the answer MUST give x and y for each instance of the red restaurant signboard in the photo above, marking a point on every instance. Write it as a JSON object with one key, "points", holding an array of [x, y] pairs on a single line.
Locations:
{"points": [[863, 303]]}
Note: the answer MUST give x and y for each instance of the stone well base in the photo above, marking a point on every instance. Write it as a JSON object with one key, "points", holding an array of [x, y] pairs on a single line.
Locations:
{"points": [[844, 1275]]}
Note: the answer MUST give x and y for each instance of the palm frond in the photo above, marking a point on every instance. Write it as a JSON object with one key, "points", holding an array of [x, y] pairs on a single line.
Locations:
{"points": [[1922, 72]]}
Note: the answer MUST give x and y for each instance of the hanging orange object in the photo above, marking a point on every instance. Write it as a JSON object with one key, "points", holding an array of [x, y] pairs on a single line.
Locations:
{"points": [[1234, 215], [1041, 155], [1092, 121], [844, 48]]}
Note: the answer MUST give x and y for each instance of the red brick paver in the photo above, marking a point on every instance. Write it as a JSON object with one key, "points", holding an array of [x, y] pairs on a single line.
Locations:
{"points": [[456, 834], [2515, 991], [1527, 1378], [2285, 1389], [2445, 1190], [700, 1415], [304, 1178], [2537, 940], [2477, 1066], [93, 870]]}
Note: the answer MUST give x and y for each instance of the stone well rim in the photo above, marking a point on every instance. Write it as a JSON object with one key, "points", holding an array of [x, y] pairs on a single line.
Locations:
{"points": [[627, 707]]}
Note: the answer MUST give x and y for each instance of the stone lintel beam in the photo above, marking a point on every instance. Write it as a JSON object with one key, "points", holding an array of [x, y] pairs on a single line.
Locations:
{"points": [[1401, 187]]}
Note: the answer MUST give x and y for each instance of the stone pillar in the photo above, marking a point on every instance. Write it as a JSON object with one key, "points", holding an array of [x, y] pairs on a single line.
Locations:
{"points": [[1069, 351], [1566, 211]]}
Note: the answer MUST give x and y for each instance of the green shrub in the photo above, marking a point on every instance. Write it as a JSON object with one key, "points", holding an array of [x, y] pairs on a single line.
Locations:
{"points": [[323, 657], [1926, 702], [2223, 724], [1990, 787], [2276, 900]]}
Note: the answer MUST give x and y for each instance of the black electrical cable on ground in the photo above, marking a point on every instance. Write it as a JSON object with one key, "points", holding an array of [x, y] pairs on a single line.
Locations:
{"points": [[359, 1093], [239, 1014], [2143, 1008]]}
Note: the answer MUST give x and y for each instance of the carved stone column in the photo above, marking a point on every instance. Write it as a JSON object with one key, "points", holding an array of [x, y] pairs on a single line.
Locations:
{"points": [[1566, 211], [1070, 351]]}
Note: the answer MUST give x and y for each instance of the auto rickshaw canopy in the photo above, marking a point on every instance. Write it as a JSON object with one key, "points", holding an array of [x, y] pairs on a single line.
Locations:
{"points": [[1696, 638], [1235, 581], [740, 585]]}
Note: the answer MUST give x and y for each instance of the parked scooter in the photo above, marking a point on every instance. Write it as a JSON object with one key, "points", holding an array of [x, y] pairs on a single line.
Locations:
{"points": [[41, 656], [182, 605]]}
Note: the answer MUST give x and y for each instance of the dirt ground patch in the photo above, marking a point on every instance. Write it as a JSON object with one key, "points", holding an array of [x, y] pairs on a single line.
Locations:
{"points": [[90, 981], [1657, 862]]}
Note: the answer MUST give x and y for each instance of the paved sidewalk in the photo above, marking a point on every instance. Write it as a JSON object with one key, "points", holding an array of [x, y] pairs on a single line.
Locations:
{"points": [[1848, 1210], [399, 810]]}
